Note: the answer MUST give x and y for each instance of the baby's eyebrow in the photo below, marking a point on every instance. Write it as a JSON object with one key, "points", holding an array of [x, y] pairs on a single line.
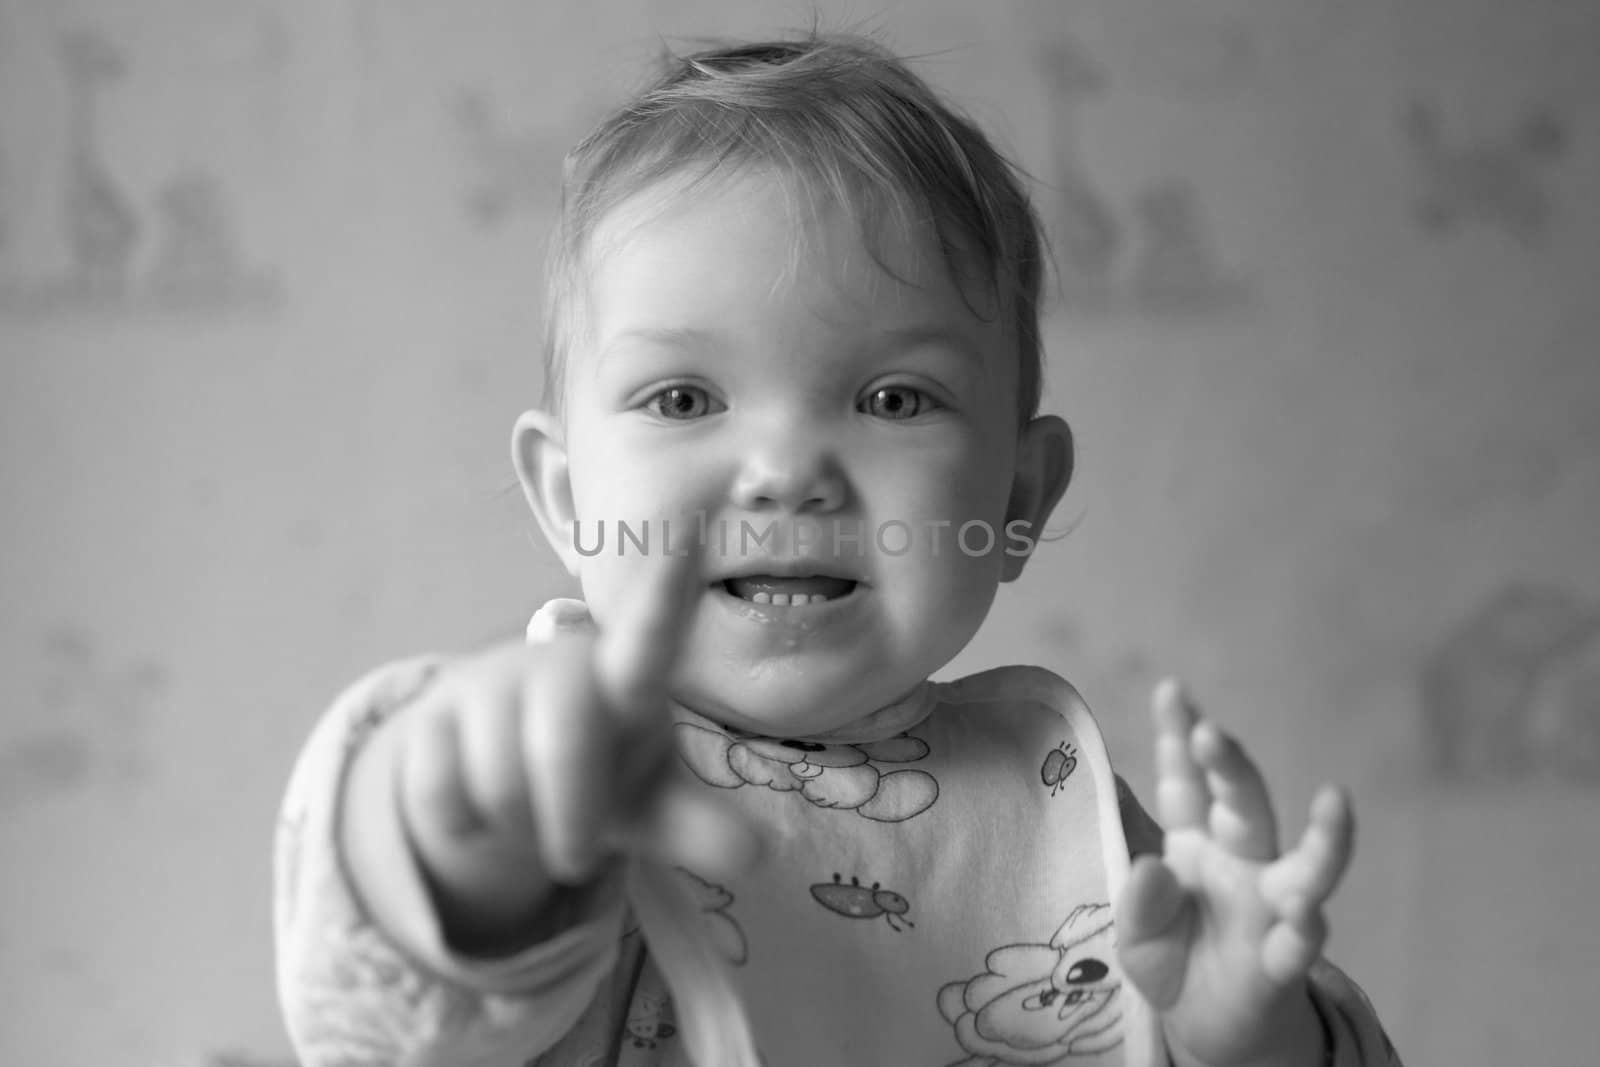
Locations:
{"points": [[889, 340], [669, 337], [891, 344], [931, 334]]}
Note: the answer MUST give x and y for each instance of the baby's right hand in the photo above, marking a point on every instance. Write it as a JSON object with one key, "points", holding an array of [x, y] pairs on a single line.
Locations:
{"points": [[529, 767]]}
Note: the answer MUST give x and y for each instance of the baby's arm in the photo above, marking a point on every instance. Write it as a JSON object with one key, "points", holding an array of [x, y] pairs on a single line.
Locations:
{"points": [[357, 988], [1220, 932], [447, 881]]}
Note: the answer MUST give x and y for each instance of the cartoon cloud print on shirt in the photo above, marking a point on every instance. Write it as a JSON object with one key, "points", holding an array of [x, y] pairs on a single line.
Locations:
{"points": [[829, 776], [725, 931], [1042, 1005]]}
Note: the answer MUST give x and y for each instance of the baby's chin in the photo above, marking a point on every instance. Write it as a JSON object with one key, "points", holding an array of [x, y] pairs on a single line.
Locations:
{"points": [[788, 708]]}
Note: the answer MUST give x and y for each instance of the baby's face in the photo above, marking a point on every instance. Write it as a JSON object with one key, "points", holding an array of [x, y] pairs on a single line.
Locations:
{"points": [[832, 426]]}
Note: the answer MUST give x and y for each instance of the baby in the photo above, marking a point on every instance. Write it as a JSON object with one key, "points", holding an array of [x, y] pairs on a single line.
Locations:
{"points": [[716, 812]]}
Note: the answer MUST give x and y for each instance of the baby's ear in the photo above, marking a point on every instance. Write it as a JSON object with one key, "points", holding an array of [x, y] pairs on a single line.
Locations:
{"points": [[539, 452], [1044, 467]]}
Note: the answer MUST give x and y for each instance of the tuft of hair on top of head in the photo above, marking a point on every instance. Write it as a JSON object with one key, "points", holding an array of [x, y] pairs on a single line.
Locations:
{"points": [[844, 117]]}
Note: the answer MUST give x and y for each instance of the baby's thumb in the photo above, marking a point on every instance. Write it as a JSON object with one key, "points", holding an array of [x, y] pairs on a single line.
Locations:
{"points": [[1152, 943]]}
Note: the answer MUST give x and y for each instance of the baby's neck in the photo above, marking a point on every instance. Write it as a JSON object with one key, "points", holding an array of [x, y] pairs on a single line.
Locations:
{"points": [[892, 719], [564, 614]]}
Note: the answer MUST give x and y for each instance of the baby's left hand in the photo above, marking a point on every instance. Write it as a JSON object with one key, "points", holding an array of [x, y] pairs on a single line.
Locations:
{"points": [[1218, 933]]}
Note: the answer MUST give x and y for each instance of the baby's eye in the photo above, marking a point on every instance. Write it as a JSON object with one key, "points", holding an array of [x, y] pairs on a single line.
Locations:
{"points": [[682, 402], [896, 402]]}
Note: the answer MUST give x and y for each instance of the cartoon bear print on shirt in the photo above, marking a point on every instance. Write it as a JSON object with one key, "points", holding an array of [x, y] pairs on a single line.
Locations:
{"points": [[828, 775], [650, 1021], [1042, 1005]]}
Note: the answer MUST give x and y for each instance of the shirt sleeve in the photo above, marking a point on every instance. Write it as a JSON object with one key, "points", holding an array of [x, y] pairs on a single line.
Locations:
{"points": [[354, 994], [1352, 1034], [1144, 834]]}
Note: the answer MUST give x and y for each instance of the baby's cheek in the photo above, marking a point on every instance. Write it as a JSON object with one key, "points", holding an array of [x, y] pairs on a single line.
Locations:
{"points": [[944, 606], [607, 579], [969, 579]]}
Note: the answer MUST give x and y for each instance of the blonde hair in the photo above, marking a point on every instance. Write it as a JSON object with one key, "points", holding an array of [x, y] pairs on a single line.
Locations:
{"points": [[840, 116]]}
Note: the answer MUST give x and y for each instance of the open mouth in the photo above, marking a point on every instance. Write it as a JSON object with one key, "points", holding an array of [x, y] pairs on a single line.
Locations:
{"points": [[789, 590]]}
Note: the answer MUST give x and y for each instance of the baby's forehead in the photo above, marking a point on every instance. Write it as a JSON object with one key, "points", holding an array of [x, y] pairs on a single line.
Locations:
{"points": [[839, 214], [790, 233]]}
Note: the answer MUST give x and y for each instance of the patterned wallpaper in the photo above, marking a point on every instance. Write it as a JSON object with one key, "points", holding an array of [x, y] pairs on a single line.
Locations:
{"points": [[1323, 323]]}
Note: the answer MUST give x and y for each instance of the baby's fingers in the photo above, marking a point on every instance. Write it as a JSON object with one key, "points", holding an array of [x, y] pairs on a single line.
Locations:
{"points": [[688, 828], [599, 739], [638, 650], [570, 748], [433, 794], [462, 788], [1313, 867], [1241, 817], [1182, 799], [1294, 942], [1154, 915]]}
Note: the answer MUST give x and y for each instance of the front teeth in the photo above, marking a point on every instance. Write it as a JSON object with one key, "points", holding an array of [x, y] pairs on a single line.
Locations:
{"points": [[787, 599]]}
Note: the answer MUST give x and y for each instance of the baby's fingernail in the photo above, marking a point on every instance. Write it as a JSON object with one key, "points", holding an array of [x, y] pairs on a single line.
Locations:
{"points": [[1329, 802]]}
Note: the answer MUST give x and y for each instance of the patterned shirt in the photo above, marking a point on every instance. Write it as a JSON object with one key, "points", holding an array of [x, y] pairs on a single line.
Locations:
{"points": [[935, 891]]}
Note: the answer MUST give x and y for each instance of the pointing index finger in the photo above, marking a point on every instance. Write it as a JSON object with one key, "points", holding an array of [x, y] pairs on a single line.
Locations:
{"points": [[636, 654]]}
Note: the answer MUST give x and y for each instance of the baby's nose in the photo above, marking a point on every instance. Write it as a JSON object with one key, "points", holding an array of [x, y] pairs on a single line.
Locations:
{"points": [[789, 479]]}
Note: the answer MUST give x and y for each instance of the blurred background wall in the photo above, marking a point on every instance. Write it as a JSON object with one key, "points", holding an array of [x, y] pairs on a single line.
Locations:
{"points": [[1326, 326]]}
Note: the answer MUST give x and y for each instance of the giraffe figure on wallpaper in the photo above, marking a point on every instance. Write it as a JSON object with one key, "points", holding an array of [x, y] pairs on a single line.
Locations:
{"points": [[1506, 693], [1087, 234], [1497, 181], [1175, 268], [198, 259], [101, 224]]}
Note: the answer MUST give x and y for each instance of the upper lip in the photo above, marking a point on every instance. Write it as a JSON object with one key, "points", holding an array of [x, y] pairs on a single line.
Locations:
{"points": [[791, 568]]}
